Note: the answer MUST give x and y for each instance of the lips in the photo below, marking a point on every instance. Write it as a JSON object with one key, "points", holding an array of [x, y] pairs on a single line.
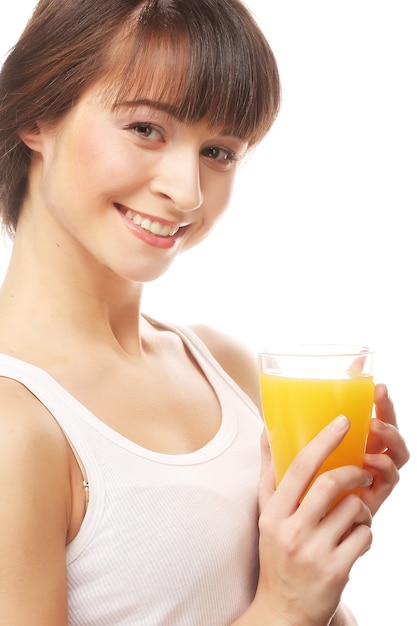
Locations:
{"points": [[159, 229]]}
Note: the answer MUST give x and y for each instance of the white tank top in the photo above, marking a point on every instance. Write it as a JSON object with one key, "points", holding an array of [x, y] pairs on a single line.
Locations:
{"points": [[167, 540]]}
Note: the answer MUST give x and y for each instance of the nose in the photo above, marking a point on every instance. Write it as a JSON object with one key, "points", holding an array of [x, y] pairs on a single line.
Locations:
{"points": [[178, 178]]}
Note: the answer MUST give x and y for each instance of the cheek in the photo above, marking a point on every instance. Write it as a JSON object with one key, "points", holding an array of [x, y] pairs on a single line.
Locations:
{"points": [[91, 150], [91, 153], [109, 164], [217, 195], [72, 171]]}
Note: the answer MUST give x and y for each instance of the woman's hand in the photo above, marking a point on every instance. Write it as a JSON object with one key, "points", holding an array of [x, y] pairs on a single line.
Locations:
{"points": [[386, 451], [307, 549]]}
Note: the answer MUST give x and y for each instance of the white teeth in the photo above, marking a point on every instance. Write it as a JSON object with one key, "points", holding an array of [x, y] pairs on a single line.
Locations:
{"points": [[156, 228], [146, 223]]}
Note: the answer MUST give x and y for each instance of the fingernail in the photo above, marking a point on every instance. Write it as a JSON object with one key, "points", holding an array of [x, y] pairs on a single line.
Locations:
{"points": [[340, 423], [382, 390], [368, 481]]}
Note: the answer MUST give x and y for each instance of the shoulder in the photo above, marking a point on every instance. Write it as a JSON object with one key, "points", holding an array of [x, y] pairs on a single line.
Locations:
{"points": [[34, 514], [33, 451], [24, 418], [235, 358], [32, 444]]}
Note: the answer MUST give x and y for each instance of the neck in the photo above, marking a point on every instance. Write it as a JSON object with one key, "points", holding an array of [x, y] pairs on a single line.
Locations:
{"points": [[50, 294]]}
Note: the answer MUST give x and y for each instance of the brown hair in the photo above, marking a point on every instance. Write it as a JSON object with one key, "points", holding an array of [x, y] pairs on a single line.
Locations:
{"points": [[206, 58]]}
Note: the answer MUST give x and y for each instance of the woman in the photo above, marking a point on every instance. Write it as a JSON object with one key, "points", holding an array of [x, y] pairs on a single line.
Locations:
{"points": [[130, 448]]}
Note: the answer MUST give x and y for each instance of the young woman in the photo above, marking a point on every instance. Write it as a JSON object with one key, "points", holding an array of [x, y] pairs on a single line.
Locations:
{"points": [[130, 448]]}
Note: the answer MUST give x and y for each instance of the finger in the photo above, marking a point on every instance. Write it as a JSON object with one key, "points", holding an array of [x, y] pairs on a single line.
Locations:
{"points": [[308, 461], [356, 367], [327, 487], [351, 511], [386, 477], [384, 407], [266, 485], [354, 545], [385, 438]]}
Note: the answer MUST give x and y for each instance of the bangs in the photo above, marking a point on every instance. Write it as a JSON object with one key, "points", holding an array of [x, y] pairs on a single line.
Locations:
{"points": [[215, 74]]}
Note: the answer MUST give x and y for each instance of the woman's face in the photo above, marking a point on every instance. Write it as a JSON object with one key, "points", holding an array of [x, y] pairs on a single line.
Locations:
{"points": [[131, 186]]}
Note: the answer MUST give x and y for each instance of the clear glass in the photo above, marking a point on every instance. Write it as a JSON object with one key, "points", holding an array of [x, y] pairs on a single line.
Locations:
{"points": [[304, 387]]}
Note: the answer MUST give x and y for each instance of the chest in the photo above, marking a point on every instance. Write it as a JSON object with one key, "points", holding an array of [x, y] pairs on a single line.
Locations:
{"points": [[165, 405], [198, 518]]}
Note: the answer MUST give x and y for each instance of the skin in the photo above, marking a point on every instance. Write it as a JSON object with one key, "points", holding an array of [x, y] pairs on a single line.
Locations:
{"points": [[76, 277]]}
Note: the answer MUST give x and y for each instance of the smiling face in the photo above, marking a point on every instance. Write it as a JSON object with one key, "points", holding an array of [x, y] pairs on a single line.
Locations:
{"points": [[131, 167], [207, 58], [129, 186]]}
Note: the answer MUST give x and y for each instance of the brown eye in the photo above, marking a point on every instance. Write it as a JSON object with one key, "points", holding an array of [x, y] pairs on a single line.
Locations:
{"points": [[218, 154], [212, 152], [146, 131], [219, 158]]}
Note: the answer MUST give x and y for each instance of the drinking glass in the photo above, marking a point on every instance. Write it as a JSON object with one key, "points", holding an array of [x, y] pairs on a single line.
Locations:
{"points": [[304, 387]]}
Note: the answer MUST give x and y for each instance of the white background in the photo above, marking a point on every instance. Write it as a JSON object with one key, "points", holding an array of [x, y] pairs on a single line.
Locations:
{"points": [[319, 243]]}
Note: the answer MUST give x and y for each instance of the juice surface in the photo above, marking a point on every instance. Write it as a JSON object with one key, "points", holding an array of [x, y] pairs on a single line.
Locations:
{"points": [[296, 408]]}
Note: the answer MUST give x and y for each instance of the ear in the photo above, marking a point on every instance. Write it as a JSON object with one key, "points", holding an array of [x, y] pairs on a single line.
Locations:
{"points": [[32, 137]]}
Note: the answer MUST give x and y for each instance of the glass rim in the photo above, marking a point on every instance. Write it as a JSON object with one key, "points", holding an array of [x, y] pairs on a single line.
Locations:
{"points": [[317, 350]]}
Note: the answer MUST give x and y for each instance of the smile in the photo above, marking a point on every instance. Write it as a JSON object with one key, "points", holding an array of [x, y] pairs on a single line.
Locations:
{"points": [[156, 228]]}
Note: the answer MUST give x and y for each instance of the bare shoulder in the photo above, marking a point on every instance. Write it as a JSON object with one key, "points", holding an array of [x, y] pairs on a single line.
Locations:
{"points": [[235, 358], [343, 617], [35, 495], [23, 418], [31, 441]]}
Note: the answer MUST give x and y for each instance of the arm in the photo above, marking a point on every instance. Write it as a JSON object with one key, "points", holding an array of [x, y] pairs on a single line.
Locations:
{"points": [[306, 552], [35, 496], [342, 617], [305, 555]]}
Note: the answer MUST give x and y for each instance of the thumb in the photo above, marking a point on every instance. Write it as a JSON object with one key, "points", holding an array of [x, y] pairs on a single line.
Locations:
{"points": [[267, 478]]}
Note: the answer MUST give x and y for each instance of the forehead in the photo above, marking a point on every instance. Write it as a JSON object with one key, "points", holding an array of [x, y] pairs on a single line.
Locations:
{"points": [[156, 70], [195, 80]]}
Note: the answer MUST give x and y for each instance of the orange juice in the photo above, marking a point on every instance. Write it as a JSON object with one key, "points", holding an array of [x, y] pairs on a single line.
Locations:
{"points": [[297, 406]]}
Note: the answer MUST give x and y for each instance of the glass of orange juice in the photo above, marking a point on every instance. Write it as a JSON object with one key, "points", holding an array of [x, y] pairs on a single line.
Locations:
{"points": [[305, 387]]}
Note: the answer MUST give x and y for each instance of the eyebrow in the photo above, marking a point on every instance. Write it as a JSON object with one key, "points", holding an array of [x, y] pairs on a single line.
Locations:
{"points": [[154, 104]]}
